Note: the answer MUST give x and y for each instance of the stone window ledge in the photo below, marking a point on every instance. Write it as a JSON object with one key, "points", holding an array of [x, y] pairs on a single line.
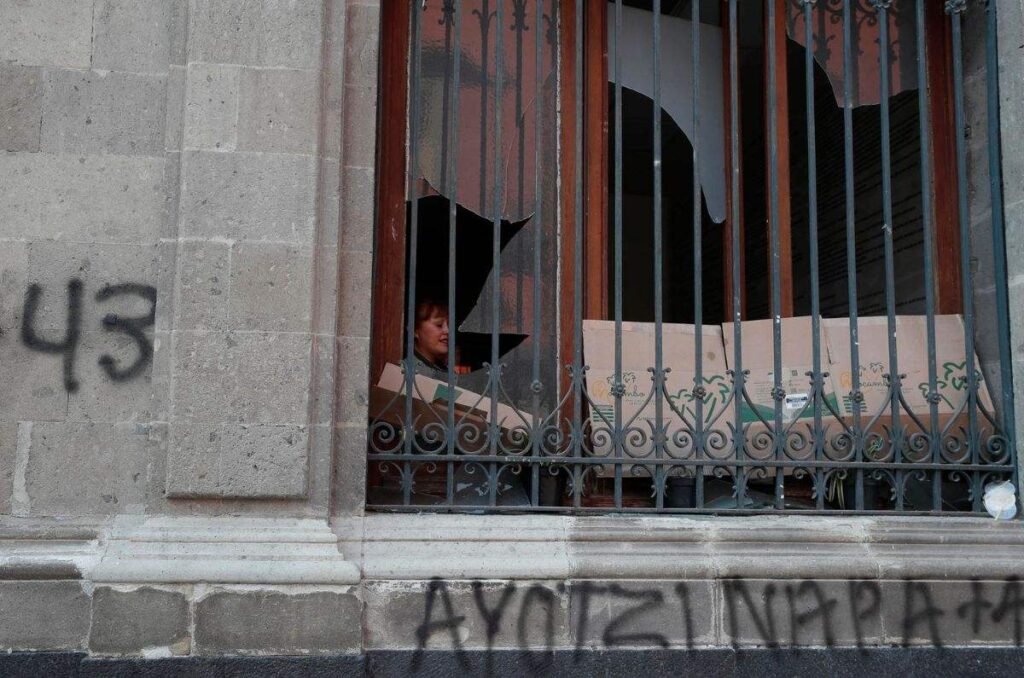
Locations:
{"points": [[176, 550], [398, 546], [230, 550]]}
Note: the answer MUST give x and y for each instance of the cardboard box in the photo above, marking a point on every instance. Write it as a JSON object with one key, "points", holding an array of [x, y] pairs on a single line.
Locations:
{"points": [[436, 391], [757, 354], [912, 354], [430, 405], [758, 357], [679, 345]]}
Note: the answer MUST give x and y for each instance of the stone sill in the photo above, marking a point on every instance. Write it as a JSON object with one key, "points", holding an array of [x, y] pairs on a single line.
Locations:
{"points": [[400, 546], [229, 550], [169, 550]]}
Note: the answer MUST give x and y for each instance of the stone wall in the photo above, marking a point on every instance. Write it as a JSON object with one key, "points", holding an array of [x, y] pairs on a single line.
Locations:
{"points": [[174, 176]]}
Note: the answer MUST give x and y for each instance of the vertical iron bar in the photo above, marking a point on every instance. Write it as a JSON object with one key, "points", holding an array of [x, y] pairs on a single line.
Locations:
{"points": [[779, 436], [453, 195], [619, 442], [409, 431], [537, 221], [995, 174], [817, 379], [658, 475], [956, 11], [492, 428], [856, 397], [739, 442], [896, 381], [928, 217], [577, 475], [698, 249]]}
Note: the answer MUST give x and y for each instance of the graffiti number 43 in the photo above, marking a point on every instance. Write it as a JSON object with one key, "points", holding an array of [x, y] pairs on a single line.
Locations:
{"points": [[67, 346]]}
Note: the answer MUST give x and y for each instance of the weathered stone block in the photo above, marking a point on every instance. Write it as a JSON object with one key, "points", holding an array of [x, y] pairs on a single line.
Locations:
{"points": [[330, 203], [203, 285], [211, 107], [291, 33], [43, 615], [1014, 224], [321, 457], [354, 293], [171, 188], [8, 448], [277, 622], [332, 109], [796, 613], [359, 131], [325, 281], [277, 110], [204, 374], [976, 113], [272, 33], [136, 35], [349, 483], [246, 377], [1011, 118], [104, 112], [488, 614], [270, 287], [166, 272], [93, 199], [174, 127], [20, 107], [193, 461], [323, 385], [362, 40], [53, 264], [248, 196], [139, 393], [237, 461], [630, 614], [88, 468], [13, 281], [357, 210], [264, 461], [353, 357], [223, 31], [128, 622], [953, 612], [46, 32], [273, 379], [40, 394]]}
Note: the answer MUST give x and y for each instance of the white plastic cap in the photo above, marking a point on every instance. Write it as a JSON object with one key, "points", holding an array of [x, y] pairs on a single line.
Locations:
{"points": [[1000, 500]]}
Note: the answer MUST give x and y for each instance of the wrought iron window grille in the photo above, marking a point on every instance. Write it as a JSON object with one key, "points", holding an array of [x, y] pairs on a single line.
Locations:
{"points": [[546, 430]]}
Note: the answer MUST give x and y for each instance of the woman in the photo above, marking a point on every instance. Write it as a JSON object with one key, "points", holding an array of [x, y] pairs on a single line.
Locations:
{"points": [[430, 334]]}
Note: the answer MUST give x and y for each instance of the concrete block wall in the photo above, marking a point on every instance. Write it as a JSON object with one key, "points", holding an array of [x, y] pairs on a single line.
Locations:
{"points": [[174, 174]]}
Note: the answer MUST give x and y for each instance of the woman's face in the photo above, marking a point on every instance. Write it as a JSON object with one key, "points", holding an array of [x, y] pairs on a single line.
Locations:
{"points": [[432, 336]]}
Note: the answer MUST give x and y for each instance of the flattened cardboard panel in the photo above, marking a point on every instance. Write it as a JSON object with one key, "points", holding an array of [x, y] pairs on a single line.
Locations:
{"points": [[758, 358], [639, 406]]}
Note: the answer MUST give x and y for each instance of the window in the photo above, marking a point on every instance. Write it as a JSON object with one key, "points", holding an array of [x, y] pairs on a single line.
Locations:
{"points": [[683, 263]]}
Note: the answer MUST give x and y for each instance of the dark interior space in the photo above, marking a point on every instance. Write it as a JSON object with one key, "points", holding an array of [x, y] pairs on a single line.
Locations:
{"points": [[908, 236], [677, 221]]}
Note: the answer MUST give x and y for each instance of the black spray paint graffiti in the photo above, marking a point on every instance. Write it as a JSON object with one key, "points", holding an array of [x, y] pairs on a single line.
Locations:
{"points": [[752, 614], [67, 347]]}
